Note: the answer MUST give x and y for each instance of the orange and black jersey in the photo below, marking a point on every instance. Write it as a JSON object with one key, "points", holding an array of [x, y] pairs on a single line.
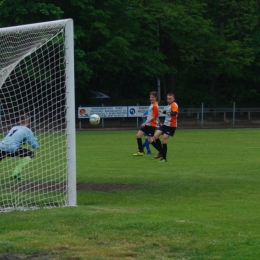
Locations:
{"points": [[153, 112], [172, 119]]}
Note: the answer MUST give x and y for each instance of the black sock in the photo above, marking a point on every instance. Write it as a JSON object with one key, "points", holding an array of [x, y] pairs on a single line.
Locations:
{"points": [[159, 145], [164, 151], [155, 146], [140, 145]]}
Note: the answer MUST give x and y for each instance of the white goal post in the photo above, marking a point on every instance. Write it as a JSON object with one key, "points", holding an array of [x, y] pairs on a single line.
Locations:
{"points": [[37, 79]]}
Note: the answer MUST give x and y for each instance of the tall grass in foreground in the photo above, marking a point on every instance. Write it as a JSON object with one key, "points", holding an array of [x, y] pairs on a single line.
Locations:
{"points": [[202, 204]]}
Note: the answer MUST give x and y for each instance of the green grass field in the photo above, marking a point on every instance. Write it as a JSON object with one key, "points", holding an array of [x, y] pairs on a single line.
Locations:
{"points": [[202, 204]]}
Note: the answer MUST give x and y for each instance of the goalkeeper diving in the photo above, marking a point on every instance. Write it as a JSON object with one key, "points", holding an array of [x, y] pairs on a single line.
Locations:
{"points": [[10, 146]]}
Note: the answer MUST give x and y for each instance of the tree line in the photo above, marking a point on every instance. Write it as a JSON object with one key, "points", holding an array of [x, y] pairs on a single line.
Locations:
{"points": [[201, 50]]}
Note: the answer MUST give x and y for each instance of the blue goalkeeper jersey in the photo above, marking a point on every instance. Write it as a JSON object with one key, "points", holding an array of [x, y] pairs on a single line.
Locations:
{"points": [[17, 136], [145, 114]]}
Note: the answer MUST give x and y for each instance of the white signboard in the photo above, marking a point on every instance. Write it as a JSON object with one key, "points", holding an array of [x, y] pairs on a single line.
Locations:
{"points": [[138, 111], [103, 112]]}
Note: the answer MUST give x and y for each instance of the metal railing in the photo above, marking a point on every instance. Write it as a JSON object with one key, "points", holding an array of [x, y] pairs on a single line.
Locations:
{"points": [[196, 117], [202, 112]]}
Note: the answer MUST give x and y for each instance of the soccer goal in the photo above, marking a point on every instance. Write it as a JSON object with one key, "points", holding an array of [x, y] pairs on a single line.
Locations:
{"points": [[37, 79]]}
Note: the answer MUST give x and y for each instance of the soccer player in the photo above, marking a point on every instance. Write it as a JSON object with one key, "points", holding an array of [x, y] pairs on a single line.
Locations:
{"points": [[10, 145], [167, 129], [146, 143], [148, 127]]}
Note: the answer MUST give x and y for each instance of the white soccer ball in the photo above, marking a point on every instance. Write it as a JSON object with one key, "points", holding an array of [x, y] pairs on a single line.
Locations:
{"points": [[94, 119]]}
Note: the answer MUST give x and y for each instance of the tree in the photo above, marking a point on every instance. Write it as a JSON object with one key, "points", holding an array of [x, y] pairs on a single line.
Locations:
{"points": [[16, 12], [237, 48], [205, 51]]}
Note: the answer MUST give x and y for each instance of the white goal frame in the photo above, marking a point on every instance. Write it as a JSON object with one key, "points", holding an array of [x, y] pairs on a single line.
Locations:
{"points": [[70, 97]]}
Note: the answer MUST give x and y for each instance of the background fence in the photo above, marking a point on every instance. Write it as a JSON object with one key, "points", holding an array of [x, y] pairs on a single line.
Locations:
{"points": [[199, 117]]}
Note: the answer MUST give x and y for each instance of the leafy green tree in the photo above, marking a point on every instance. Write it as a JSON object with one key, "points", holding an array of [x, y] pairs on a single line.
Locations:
{"points": [[237, 50], [118, 47], [16, 12], [203, 50]]}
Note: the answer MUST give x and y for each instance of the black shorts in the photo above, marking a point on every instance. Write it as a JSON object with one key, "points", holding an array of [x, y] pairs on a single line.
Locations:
{"points": [[168, 130], [148, 130], [21, 152]]}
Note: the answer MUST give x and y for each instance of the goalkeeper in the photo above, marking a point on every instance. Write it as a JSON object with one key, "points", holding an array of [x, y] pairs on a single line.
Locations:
{"points": [[10, 145]]}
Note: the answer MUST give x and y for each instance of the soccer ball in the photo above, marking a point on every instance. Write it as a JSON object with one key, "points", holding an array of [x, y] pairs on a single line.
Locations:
{"points": [[94, 119]]}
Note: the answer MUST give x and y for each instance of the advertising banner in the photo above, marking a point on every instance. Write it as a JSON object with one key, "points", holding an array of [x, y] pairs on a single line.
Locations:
{"points": [[138, 111], [103, 112]]}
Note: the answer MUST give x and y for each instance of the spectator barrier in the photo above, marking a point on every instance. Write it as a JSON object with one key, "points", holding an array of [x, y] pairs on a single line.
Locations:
{"points": [[197, 114]]}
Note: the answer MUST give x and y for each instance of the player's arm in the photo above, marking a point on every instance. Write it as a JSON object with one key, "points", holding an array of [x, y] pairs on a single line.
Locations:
{"points": [[173, 112], [32, 140], [145, 114], [24, 141], [154, 115]]}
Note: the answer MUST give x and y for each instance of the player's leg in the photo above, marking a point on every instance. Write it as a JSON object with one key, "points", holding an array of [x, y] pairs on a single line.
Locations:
{"points": [[147, 145], [150, 136], [169, 132], [145, 142], [27, 157], [139, 142], [164, 147], [157, 143]]}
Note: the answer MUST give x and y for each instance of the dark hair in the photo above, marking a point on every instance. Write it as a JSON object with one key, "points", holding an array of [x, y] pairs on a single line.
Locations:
{"points": [[24, 119], [172, 95], [154, 93]]}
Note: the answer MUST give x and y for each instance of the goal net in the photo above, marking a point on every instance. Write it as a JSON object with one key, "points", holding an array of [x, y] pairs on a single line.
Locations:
{"points": [[37, 79]]}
